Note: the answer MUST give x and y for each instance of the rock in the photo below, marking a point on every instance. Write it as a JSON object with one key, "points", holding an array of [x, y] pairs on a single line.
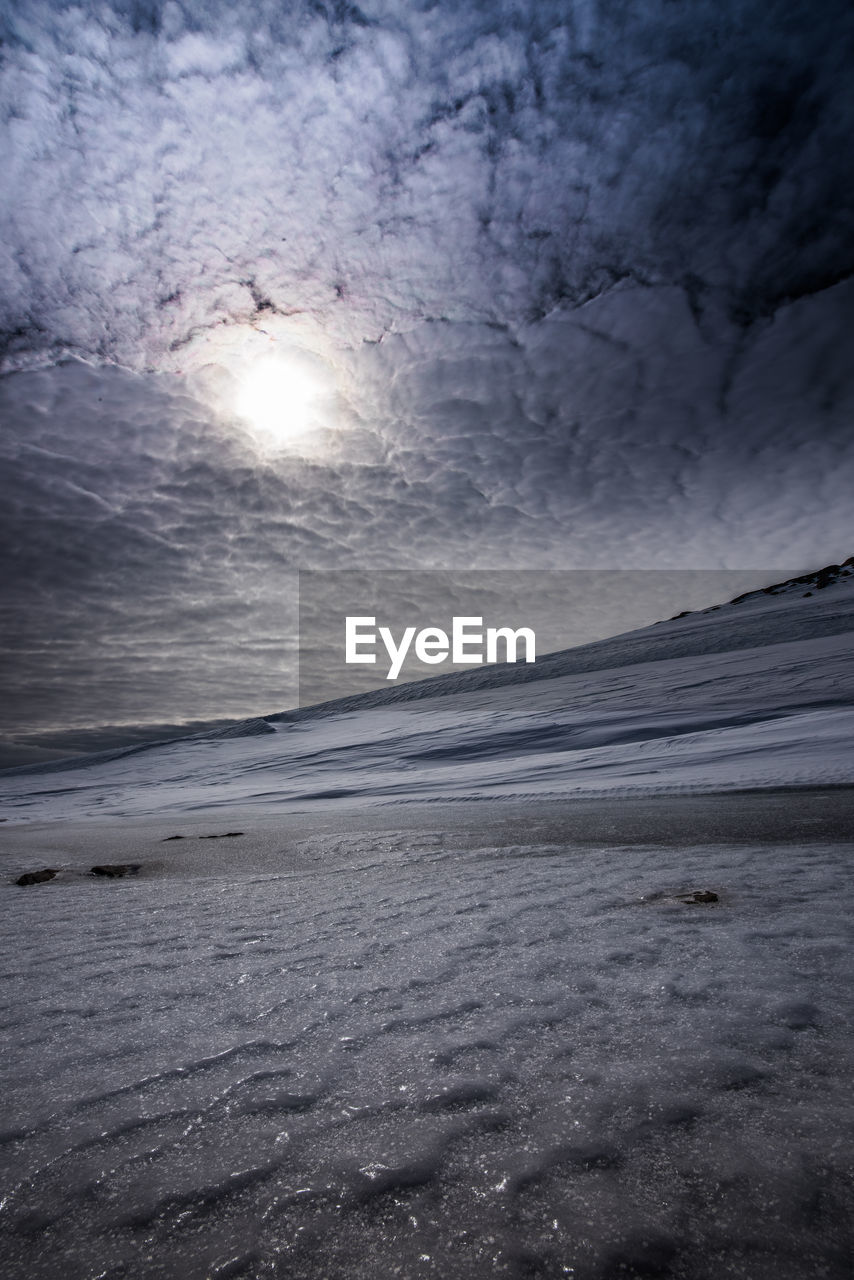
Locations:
{"points": [[225, 835], [698, 898], [36, 877], [694, 898], [168, 838], [115, 870]]}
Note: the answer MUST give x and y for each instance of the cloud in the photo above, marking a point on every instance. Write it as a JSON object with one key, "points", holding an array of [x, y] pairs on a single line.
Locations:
{"points": [[579, 275], [172, 169], [151, 551]]}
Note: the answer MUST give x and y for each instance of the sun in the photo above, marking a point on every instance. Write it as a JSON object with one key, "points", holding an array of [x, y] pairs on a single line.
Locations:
{"points": [[280, 398]]}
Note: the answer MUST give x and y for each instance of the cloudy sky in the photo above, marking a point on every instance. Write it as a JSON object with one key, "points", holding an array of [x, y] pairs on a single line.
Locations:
{"points": [[313, 285]]}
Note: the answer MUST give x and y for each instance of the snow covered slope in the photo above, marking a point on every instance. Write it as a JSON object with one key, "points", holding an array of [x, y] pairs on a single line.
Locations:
{"points": [[754, 619], [451, 1041], [758, 693]]}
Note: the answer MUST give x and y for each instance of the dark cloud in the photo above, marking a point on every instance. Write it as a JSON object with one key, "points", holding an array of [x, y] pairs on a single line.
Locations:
{"points": [[575, 273], [173, 168]]}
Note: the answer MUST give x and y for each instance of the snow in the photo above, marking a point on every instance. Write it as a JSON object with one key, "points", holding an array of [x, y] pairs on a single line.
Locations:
{"points": [[440, 1010], [438, 1050]]}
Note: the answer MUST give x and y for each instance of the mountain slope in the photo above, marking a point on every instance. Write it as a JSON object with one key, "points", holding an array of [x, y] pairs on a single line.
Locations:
{"points": [[758, 693], [747, 621]]}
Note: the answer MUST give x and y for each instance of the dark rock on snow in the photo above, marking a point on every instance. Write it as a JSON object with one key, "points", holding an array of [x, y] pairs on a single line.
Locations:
{"points": [[36, 877], [699, 897]]}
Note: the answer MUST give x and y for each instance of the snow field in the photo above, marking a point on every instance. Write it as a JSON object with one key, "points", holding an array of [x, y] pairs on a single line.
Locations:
{"points": [[397, 1056]]}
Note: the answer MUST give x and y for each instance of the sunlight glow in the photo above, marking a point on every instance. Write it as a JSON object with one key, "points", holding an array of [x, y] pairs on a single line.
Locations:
{"points": [[280, 398]]}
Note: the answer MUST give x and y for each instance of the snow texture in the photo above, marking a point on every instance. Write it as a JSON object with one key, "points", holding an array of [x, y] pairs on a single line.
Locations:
{"points": [[455, 1047]]}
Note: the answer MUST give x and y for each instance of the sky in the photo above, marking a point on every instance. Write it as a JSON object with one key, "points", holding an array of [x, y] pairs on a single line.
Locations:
{"points": [[304, 286]]}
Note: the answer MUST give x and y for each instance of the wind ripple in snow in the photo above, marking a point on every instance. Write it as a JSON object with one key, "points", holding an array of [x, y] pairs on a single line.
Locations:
{"points": [[400, 1057]]}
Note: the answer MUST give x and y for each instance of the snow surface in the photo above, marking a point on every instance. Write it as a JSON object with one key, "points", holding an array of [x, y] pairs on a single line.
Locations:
{"points": [[373, 1036], [481, 1047]]}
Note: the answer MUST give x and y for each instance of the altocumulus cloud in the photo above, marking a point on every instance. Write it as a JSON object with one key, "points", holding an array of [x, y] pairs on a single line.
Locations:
{"points": [[580, 271], [173, 168]]}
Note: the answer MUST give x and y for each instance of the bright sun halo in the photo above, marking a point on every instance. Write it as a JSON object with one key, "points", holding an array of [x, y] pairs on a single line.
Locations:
{"points": [[279, 400]]}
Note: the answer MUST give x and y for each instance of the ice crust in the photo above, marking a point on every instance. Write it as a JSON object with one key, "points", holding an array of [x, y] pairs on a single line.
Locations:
{"points": [[398, 1056]]}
